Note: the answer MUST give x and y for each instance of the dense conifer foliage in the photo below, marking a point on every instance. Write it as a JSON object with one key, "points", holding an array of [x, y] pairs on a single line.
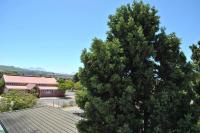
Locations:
{"points": [[196, 55], [138, 80]]}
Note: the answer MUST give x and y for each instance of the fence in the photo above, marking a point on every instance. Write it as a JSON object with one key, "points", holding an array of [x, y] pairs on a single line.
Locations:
{"points": [[59, 103]]}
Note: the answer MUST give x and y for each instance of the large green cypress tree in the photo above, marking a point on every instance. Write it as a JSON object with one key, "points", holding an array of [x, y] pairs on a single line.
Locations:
{"points": [[196, 62], [174, 101], [137, 80], [135, 27], [196, 55]]}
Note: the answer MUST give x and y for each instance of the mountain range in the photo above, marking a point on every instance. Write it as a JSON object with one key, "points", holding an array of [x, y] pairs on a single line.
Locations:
{"points": [[12, 70]]}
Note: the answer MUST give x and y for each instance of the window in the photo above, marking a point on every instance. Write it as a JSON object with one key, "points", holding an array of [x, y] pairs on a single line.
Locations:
{"points": [[48, 91], [16, 84]]}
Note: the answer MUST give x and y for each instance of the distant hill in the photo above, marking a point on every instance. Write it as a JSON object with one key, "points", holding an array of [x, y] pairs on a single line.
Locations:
{"points": [[12, 70]]}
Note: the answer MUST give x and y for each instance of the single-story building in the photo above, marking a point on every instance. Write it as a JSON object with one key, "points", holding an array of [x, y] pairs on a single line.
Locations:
{"points": [[39, 120], [44, 87]]}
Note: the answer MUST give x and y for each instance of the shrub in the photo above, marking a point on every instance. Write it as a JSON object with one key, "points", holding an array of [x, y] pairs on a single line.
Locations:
{"points": [[1, 86], [16, 100], [4, 105]]}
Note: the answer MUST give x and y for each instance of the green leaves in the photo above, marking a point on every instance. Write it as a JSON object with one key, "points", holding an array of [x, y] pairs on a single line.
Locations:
{"points": [[138, 80], [1, 86], [15, 100], [81, 97], [66, 85], [196, 55]]}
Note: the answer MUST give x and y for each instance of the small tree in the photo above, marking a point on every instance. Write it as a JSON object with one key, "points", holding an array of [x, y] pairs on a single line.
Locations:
{"points": [[35, 91], [78, 86], [2, 84], [61, 80], [67, 85]]}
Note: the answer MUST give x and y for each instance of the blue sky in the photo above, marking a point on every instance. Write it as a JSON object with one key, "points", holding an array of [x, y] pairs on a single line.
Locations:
{"points": [[51, 34]]}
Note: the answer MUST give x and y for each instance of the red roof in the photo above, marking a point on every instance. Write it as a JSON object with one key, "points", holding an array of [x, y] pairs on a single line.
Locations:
{"points": [[29, 80]]}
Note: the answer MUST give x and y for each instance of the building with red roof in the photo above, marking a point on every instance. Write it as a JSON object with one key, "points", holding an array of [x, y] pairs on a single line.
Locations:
{"points": [[45, 87]]}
